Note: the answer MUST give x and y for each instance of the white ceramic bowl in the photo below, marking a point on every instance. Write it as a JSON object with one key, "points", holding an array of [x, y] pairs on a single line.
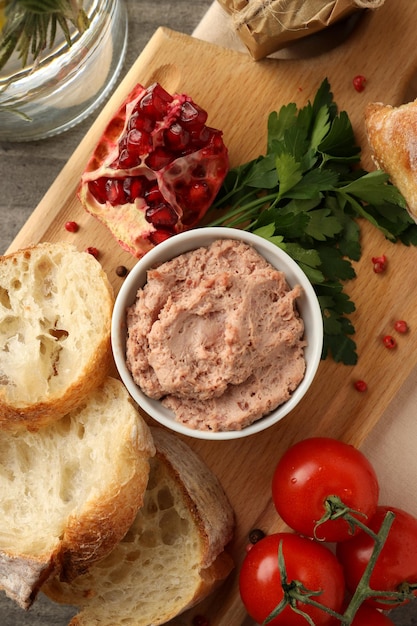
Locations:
{"points": [[308, 307]]}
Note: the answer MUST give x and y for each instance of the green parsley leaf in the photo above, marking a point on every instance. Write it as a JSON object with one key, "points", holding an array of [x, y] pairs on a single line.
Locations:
{"points": [[289, 172], [307, 195], [278, 123]]}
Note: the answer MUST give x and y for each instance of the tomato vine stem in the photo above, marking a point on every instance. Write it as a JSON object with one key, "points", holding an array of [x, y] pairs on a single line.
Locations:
{"points": [[335, 508], [295, 593]]}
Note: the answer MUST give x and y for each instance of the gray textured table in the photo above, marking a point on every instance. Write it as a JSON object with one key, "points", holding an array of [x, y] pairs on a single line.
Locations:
{"points": [[26, 172]]}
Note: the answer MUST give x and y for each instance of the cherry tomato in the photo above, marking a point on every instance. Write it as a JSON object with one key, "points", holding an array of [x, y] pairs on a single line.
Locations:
{"points": [[397, 562], [306, 561], [318, 467], [368, 616]]}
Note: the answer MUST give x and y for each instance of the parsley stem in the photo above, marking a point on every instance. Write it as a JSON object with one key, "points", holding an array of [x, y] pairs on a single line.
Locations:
{"points": [[243, 212], [362, 213]]}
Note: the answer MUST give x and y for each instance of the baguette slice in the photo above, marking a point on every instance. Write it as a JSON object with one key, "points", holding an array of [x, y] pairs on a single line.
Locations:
{"points": [[173, 555], [392, 136], [55, 316], [70, 491]]}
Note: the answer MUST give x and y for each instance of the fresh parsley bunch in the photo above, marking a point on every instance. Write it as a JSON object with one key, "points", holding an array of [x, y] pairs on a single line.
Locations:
{"points": [[305, 195]]}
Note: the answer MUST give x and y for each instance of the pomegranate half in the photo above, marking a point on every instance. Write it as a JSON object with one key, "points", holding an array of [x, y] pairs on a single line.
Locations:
{"points": [[156, 169]]}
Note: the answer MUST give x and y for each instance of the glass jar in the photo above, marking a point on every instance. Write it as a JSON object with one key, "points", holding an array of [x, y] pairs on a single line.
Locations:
{"points": [[69, 82]]}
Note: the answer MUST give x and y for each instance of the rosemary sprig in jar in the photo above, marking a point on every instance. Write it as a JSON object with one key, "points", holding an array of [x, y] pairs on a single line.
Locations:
{"points": [[31, 26]]}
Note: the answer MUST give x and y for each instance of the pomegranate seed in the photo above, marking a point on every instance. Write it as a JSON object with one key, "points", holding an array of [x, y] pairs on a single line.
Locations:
{"points": [[93, 251], [138, 142], [389, 342], [159, 158], [192, 116], [380, 263], [126, 160], [359, 82], [134, 187], [161, 215], [360, 385], [156, 159], [193, 200], [176, 137], [159, 235], [201, 137], [71, 227], [138, 122], [401, 326], [115, 192], [155, 103], [153, 195], [98, 189]]}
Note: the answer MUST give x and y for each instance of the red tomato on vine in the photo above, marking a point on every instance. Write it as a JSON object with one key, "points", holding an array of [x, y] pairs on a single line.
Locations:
{"points": [[309, 566], [313, 478], [368, 616], [395, 566]]}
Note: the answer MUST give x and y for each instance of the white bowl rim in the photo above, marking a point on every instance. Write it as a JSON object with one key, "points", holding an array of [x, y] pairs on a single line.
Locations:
{"points": [[190, 240]]}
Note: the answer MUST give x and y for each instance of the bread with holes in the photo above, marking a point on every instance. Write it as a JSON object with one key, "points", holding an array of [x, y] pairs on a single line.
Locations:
{"points": [[173, 555], [392, 136], [55, 316], [70, 490]]}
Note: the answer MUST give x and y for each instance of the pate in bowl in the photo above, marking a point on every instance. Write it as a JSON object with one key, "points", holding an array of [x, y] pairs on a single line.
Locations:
{"points": [[217, 333]]}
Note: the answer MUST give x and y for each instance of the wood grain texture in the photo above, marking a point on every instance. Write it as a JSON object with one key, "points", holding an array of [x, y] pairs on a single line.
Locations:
{"points": [[239, 93]]}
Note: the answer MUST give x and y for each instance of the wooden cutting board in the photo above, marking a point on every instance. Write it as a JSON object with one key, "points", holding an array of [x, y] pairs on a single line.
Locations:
{"points": [[239, 94]]}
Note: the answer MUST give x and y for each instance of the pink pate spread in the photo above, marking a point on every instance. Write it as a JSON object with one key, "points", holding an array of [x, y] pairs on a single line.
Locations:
{"points": [[216, 336]]}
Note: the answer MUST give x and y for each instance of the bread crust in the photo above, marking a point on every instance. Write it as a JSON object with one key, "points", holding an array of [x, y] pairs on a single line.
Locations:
{"points": [[142, 583], [200, 486], [39, 307], [97, 488], [392, 136]]}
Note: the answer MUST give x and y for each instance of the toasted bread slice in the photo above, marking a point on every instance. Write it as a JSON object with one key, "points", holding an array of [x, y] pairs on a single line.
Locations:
{"points": [[172, 556], [392, 136], [55, 316], [70, 491]]}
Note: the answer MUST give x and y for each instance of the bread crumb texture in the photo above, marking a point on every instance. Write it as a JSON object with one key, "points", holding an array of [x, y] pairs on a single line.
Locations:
{"points": [[55, 316], [157, 570], [71, 490]]}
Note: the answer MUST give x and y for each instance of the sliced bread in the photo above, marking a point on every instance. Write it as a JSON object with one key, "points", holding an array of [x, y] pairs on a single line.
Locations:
{"points": [[70, 491], [55, 316], [392, 136], [172, 556]]}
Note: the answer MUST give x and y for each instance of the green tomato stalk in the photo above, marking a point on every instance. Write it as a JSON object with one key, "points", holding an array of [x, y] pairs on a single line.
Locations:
{"points": [[295, 593]]}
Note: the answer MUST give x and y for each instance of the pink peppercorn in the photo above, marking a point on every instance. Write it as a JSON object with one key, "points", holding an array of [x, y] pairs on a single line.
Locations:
{"points": [[380, 263], [389, 342], [360, 385], [401, 326], [359, 82], [71, 227], [93, 251]]}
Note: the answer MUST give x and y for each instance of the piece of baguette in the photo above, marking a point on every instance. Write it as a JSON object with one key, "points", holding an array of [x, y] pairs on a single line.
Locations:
{"points": [[70, 491], [55, 316], [392, 136], [173, 555]]}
